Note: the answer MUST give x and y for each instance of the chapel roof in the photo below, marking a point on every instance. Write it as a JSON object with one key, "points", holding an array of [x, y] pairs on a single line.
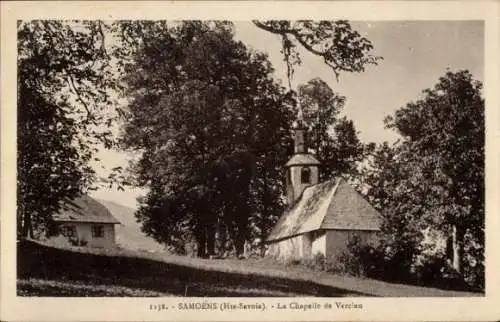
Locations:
{"points": [[84, 209], [333, 204], [302, 159]]}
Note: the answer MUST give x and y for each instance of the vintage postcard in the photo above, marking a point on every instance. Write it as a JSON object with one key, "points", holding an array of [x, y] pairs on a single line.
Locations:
{"points": [[250, 161]]}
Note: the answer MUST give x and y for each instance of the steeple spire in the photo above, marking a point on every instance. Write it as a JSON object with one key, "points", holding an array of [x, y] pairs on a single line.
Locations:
{"points": [[300, 113], [299, 139], [303, 167]]}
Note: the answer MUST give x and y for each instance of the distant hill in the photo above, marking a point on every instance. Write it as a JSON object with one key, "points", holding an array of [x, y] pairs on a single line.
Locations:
{"points": [[128, 233]]}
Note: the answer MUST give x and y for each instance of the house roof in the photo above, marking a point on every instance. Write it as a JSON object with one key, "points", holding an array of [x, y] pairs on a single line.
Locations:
{"points": [[84, 209], [302, 159], [333, 204]]}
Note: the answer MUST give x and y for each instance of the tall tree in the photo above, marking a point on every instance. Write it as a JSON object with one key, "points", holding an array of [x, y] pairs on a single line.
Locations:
{"points": [[383, 181], [63, 104], [445, 134], [334, 140], [218, 118], [433, 178]]}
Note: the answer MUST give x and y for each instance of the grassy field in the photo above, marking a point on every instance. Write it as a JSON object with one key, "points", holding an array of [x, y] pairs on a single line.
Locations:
{"points": [[49, 271]]}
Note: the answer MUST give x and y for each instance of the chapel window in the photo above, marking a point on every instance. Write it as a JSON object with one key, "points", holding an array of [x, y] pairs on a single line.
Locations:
{"points": [[305, 175]]}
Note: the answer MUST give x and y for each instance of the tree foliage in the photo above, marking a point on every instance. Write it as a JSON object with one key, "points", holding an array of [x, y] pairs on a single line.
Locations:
{"points": [[341, 48], [63, 77], [334, 139], [433, 178], [211, 133]]}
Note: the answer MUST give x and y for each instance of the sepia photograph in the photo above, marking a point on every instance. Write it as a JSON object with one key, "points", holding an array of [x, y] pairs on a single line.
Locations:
{"points": [[285, 158]]}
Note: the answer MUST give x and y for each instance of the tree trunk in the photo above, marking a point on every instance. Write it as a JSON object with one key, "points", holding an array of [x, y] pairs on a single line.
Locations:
{"points": [[264, 214], [27, 226], [19, 222], [457, 240], [240, 245], [238, 236], [201, 240], [211, 229], [221, 239]]}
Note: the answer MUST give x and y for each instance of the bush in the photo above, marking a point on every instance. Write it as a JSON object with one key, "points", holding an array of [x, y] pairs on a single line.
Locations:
{"points": [[78, 242], [381, 261], [293, 262], [403, 262], [318, 262], [350, 264], [360, 259], [474, 263], [437, 271], [474, 276], [430, 270]]}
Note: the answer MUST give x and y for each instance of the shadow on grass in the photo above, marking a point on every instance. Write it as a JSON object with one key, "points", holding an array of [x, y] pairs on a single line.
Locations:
{"points": [[41, 262]]}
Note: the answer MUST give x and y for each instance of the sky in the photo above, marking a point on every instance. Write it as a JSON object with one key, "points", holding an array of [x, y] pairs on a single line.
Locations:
{"points": [[415, 54]]}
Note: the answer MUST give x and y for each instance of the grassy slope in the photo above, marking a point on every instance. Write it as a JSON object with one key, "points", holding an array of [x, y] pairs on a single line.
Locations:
{"points": [[128, 233], [46, 271]]}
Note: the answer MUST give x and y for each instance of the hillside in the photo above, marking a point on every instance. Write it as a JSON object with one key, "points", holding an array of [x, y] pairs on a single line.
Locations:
{"points": [[50, 271], [128, 233]]}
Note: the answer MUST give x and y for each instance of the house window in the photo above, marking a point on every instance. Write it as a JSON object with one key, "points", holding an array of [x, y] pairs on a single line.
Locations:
{"points": [[305, 175], [68, 231], [97, 231]]}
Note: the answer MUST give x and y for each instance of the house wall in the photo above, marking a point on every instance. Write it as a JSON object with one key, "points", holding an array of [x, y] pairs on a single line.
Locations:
{"points": [[330, 243], [84, 233], [337, 240], [307, 240], [300, 247], [319, 243], [287, 249]]}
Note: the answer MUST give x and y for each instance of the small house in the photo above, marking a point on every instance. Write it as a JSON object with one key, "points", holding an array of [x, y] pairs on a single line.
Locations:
{"points": [[86, 222], [322, 217]]}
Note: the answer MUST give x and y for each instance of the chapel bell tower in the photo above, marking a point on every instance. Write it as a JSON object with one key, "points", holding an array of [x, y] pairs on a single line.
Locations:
{"points": [[303, 167]]}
